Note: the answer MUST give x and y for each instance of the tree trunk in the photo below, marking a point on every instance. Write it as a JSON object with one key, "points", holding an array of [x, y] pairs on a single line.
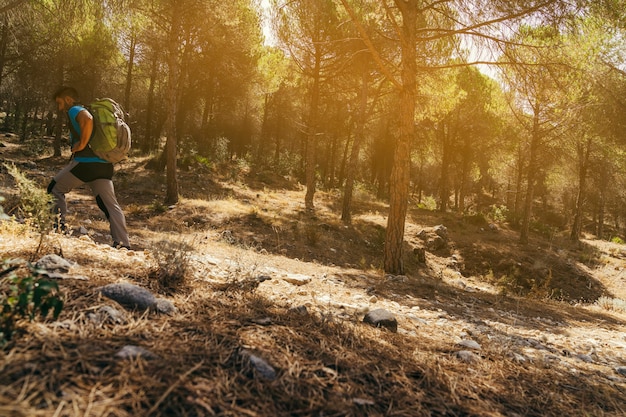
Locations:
{"points": [[346, 209], [260, 159], [172, 109], [149, 143], [531, 179], [129, 72], [446, 162], [583, 166], [401, 171], [311, 142], [4, 42], [465, 173]]}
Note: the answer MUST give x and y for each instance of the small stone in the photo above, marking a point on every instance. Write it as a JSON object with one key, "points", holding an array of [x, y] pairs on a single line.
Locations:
{"points": [[53, 263], [441, 231], [262, 367], [621, 370], [297, 279], [133, 352], [108, 314], [469, 344], [302, 310], [164, 306], [467, 356], [584, 358], [381, 318], [129, 296]]}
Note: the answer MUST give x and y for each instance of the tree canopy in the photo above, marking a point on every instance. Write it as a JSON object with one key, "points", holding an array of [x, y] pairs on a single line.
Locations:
{"points": [[471, 106]]}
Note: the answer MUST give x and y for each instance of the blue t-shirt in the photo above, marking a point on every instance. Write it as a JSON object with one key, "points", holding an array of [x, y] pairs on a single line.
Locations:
{"points": [[86, 155]]}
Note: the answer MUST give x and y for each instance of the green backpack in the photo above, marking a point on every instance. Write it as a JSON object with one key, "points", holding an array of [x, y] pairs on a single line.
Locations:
{"points": [[110, 139]]}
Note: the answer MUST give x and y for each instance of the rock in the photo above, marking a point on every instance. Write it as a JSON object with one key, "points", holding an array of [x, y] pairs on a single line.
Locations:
{"points": [[516, 357], [469, 344], [381, 318], [53, 263], [621, 370], [301, 310], [130, 296], [164, 306], [133, 352], [441, 231], [584, 358], [297, 279], [467, 356], [436, 243], [260, 365], [108, 314], [83, 231]]}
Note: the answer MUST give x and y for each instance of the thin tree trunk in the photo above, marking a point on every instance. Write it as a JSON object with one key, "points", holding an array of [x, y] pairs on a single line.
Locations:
{"points": [[311, 140], [401, 171], [172, 106], [346, 209], [129, 72], [444, 186], [583, 166], [4, 42], [531, 179], [149, 143]]}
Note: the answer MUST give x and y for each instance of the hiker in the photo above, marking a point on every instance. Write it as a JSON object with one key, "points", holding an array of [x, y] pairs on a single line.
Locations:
{"points": [[86, 167]]}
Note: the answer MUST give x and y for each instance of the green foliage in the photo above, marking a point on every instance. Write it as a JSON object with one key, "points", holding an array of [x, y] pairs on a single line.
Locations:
{"points": [[35, 202], [618, 240], [428, 203], [499, 214], [25, 296]]}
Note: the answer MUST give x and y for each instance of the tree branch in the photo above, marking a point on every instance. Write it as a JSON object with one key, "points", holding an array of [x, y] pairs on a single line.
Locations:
{"points": [[368, 42]]}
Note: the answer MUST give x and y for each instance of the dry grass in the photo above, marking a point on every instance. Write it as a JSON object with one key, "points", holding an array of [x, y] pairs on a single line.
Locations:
{"points": [[327, 362]]}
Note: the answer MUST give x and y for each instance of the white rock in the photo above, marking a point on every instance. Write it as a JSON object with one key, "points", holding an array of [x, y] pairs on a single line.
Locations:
{"points": [[297, 279], [470, 344]]}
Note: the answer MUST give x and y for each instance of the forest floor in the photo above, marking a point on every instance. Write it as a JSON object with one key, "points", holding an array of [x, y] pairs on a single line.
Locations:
{"points": [[271, 299]]}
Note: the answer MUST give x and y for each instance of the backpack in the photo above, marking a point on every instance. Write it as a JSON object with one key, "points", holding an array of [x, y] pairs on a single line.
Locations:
{"points": [[110, 139]]}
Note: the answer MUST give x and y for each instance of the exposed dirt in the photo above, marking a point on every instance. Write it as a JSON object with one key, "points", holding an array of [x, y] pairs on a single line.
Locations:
{"points": [[546, 346]]}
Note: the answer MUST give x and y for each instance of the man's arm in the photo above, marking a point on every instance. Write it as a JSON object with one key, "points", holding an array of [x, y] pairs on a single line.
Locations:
{"points": [[85, 121]]}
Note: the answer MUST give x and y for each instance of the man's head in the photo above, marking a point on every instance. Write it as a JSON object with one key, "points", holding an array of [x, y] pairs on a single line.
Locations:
{"points": [[66, 97]]}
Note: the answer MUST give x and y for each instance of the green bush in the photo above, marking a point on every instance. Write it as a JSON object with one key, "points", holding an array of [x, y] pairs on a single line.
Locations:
{"points": [[35, 203], [25, 296]]}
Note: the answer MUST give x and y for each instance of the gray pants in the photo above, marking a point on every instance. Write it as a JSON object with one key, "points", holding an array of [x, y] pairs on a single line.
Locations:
{"points": [[102, 189]]}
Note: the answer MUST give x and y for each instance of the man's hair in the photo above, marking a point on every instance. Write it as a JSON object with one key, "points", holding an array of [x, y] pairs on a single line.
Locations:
{"points": [[66, 92]]}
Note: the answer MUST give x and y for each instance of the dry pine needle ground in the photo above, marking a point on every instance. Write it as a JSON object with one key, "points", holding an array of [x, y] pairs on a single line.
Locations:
{"points": [[326, 361]]}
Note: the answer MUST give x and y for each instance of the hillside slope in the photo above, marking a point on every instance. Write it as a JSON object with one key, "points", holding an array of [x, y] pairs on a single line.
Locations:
{"points": [[270, 305]]}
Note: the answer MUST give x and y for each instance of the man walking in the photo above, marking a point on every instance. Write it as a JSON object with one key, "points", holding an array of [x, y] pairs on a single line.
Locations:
{"points": [[86, 167]]}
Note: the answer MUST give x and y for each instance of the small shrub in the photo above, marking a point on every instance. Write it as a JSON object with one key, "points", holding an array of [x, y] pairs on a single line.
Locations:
{"points": [[312, 234], [618, 240], [35, 204], [499, 214], [172, 264], [612, 304], [428, 203], [25, 296], [158, 207]]}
